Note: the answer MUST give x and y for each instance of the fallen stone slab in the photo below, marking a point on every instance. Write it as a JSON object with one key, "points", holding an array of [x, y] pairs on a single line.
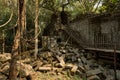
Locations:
{"points": [[68, 65], [84, 60], [44, 68], [27, 60], [74, 69], [93, 72], [5, 70], [36, 64], [4, 64], [5, 57], [81, 68], [24, 69], [87, 67], [3, 77], [94, 77], [61, 60]]}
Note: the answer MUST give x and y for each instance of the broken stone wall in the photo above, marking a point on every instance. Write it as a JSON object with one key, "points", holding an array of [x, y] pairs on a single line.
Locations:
{"points": [[100, 32], [82, 27]]}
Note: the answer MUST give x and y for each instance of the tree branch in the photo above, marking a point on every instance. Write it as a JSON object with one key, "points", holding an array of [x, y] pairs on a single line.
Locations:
{"points": [[13, 26], [7, 21], [97, 6]]}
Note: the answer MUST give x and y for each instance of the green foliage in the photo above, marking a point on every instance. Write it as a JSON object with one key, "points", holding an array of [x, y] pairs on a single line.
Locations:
{"points": [[5, 11], [48, 4], [109, 6]]}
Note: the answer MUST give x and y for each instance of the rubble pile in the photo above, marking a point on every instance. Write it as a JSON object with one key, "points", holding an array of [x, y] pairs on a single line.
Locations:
{"points": [[59, 59]]}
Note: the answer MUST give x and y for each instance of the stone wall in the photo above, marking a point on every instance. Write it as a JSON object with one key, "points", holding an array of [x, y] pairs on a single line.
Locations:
{"points": [[99, 31], [82, 27]]}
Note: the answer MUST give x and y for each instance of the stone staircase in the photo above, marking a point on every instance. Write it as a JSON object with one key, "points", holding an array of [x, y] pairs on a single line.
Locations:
{"points": [[76, 36]]}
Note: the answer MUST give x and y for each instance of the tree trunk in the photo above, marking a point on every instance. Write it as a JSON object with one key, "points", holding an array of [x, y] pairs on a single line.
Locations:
{"points": [[13, 70], [3, 45], [17, 40], [36, 28]]}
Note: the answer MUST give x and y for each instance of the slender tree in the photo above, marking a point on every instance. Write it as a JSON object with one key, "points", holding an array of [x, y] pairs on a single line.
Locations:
{"points": [[36, 28]]}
